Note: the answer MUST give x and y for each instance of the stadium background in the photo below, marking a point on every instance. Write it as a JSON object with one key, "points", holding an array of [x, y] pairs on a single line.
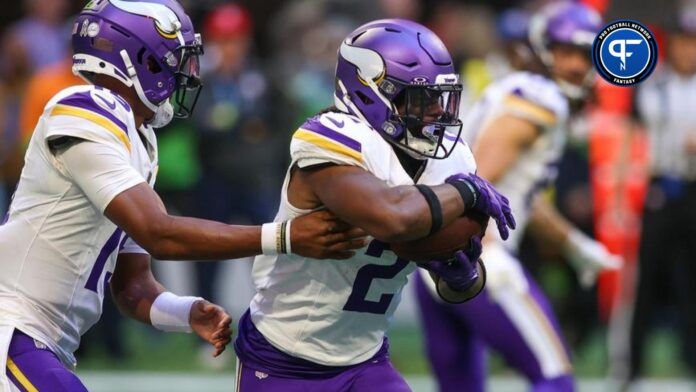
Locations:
{"points": [[268, 65]]}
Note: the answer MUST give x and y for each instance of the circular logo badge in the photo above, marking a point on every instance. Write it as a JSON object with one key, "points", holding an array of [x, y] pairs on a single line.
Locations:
{"points": [[624, 52]]}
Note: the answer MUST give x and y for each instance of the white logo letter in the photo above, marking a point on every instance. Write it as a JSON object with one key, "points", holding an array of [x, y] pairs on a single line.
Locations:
{"points": [[621, 53]]}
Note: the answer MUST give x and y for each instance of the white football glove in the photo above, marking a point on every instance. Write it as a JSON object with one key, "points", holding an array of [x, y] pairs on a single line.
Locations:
{"points": [[589, 257]]}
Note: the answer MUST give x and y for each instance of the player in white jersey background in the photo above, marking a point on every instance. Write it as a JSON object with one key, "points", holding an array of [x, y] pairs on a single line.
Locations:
{"points": [[85, 214], [517, 131], [387, 158]]}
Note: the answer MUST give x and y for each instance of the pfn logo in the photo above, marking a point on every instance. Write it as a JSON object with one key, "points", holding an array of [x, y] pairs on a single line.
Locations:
{"points": [[621, 53], [624, 52]]}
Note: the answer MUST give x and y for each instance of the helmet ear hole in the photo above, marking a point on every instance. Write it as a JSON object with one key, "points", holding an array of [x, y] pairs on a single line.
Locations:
{"points": [[152, 65]]}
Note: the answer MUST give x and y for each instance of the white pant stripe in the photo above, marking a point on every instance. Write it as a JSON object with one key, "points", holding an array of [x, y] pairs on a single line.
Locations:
{"points": [[543, 342]]}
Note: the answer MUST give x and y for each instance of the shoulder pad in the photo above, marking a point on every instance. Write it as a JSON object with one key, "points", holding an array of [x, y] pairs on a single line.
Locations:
{"points": [[537, 98], [76, 114], [330, 137]]}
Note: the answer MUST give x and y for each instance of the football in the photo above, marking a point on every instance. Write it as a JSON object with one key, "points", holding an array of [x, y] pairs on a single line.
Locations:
{"points": [[445, 242]]}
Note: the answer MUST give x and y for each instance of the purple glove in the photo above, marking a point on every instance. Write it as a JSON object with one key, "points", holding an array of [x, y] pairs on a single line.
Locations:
{"points": [[485, 199], [460, 272]]}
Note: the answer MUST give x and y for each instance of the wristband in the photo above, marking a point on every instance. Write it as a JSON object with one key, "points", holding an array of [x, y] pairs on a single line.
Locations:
{"points": [[466, 191], [270, 234], [172, 313], [275, 238], [286, 237], [435, 207]]}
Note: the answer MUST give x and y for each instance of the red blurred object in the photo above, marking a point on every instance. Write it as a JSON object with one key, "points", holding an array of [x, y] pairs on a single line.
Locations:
{"points": [[619, 176], [227, 21], [599, 5], [619, 173]]}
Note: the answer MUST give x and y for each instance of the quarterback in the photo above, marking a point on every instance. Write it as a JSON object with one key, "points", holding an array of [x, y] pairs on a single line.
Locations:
{"points": [[518, 131], [85, 214], [386, 158]]}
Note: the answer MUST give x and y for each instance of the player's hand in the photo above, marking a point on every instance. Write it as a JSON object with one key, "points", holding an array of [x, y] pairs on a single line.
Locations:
{"points": [[589, 257], [489, 201], [321, 235], [460, 272], [212, 323]]}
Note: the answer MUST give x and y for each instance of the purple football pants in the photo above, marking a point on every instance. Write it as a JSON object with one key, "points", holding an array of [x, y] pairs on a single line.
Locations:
{"points": [[523, 330], [32, 368], [370, 376]]}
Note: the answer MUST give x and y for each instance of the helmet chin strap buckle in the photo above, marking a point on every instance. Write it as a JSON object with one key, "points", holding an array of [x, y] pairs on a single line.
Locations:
{"points": [[129, 64]]}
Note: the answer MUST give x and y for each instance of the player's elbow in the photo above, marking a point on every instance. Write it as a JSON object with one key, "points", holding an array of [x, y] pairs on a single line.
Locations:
{"points": [[395, 225], [155, 239]]}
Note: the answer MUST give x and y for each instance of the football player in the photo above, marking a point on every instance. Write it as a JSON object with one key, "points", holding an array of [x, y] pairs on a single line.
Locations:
{"points": [[518, 130], [85, 196], [386, 158]]}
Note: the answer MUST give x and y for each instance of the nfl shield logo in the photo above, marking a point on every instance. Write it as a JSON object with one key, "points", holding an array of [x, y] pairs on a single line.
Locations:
{"points": [[260, 375]]}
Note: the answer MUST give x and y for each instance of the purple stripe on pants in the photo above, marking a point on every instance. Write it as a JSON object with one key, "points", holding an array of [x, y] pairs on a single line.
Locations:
{"points": [[41, 367], [456, 337]]}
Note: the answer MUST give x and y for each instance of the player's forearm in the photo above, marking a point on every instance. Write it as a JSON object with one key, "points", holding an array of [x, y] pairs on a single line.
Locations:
{"points": [[141, 214], [500, 144], [387, 213], [403, 214], [547, 223], [134, 288], [180, 238]]}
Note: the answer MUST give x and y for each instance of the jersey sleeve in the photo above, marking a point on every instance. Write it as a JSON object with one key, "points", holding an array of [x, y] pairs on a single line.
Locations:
{"points": [[328, 138], [130, 246], [94, 115], [538, 100], [100, 170]]}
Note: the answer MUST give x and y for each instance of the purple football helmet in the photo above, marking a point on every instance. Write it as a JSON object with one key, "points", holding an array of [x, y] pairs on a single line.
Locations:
{"points": [[148, 45], [398, 76], [566, 23]]}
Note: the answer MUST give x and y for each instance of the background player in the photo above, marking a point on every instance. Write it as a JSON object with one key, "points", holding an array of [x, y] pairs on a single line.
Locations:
{"points": [[321, 327], [86, 191], [518, 131]]}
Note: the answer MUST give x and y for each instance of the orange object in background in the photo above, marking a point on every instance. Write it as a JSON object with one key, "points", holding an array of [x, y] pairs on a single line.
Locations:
{"points": [[619, 173], [41, 88]]}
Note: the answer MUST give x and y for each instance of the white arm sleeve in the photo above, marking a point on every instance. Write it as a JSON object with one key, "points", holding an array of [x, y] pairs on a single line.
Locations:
{"points": [[101, 171]]}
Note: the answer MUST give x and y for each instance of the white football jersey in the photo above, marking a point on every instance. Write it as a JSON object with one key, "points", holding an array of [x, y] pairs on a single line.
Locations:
{"points": [[539, 100], [336, 313], [57, 249]]}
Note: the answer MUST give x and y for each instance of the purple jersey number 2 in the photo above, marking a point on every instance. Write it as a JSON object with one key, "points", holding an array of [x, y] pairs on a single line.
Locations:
{"points": [[357, 301]]}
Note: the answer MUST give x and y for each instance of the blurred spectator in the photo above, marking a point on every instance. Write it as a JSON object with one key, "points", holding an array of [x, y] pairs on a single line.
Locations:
{"points": [[239, 151], [42, 33], [403, 9], [472, 36], [40, 89], [667, 266], [306, 40], [30, 44]]}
